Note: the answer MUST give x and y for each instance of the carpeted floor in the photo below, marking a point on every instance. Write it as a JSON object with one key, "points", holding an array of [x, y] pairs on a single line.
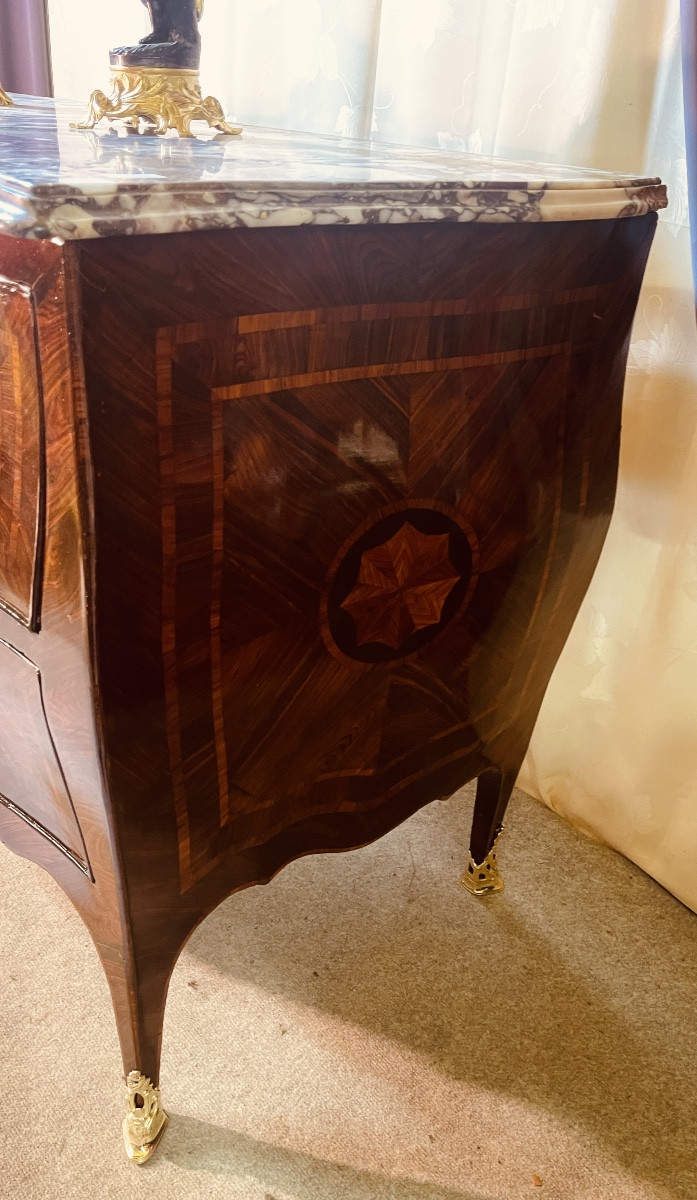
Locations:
{"points": [[362, 1029]]}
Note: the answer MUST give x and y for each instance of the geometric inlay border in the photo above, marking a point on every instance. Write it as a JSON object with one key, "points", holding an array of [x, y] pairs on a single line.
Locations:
{"points": [[339, 599]]}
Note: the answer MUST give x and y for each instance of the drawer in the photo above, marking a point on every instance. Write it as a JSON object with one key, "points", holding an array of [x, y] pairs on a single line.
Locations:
{"points": [[32, 784]]}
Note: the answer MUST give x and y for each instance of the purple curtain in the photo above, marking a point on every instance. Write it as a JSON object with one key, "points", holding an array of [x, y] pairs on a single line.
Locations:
{"points": [[688, 15], [25, 57]]}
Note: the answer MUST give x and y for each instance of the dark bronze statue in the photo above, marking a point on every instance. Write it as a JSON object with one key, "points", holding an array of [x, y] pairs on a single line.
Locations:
{"points": [[175, 42]]}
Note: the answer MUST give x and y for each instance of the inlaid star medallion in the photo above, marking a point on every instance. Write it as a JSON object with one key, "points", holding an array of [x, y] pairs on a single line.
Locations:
{"points": [[398, 583], [402, 587]]}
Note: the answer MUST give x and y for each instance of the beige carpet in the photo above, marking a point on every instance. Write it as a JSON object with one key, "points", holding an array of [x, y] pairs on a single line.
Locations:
{"points": [[363, 1029]]}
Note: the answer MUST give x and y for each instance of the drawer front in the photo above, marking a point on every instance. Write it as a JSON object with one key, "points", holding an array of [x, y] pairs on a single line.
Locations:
{"points": [[21, 472], [31, 780]]}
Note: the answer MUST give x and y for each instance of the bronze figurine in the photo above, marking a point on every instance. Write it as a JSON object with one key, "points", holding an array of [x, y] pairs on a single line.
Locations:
{"points": [[175, 41]]}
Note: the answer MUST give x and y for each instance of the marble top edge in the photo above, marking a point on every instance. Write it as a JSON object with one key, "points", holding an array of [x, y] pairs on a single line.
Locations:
{"points": [[291, 189], [61, 182]]}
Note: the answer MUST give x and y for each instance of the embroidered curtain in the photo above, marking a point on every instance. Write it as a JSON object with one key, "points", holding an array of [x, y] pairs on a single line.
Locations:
{"points": [[25, 63]]}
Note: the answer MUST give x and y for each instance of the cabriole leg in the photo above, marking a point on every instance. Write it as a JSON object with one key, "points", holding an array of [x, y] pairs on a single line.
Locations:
{"points": [[139, 991]]}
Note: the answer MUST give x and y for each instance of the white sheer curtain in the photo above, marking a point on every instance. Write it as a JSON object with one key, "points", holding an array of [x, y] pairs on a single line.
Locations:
{"points": [[588, 82]]}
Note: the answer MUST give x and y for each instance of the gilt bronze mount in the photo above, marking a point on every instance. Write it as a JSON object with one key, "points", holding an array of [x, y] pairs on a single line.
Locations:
{"points": [[145, 1120], [483, 879], [5, 101], [155, 84]]}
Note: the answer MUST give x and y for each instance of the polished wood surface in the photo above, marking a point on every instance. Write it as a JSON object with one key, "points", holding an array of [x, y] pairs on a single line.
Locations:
{"points": [[21, 456], [321, 507]]}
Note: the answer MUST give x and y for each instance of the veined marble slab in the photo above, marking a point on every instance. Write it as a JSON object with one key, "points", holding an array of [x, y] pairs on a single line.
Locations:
{"points": [[56, 182]]}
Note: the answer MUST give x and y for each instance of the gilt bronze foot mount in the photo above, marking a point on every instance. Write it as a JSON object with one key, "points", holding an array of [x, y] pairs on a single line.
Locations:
{"points": [[145, 1120], [483, 879]]}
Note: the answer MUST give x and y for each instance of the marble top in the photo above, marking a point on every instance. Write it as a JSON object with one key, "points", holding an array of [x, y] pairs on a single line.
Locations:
{"points": [[57, 182]]}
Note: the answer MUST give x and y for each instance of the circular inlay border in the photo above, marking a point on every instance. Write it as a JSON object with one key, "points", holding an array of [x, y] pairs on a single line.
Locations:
{"points": [[354, 630]]}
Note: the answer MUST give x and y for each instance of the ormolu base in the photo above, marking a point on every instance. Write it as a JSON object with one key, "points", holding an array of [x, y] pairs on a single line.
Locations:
{"points": [[483, 879], [155, 100], [145, 1120], [5, 101]]}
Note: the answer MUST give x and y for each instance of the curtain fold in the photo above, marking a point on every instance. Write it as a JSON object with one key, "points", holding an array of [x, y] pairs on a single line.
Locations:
{"points": [[25, 58], [688, 13]]}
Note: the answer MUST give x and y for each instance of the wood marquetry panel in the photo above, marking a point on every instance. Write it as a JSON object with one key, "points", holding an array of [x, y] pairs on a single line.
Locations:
{"points": [[32, 784], [21, 456], [339, 554]]}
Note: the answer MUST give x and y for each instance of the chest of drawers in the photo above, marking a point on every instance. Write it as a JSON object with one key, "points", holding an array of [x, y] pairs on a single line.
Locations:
{"points": [[307, 455]]}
